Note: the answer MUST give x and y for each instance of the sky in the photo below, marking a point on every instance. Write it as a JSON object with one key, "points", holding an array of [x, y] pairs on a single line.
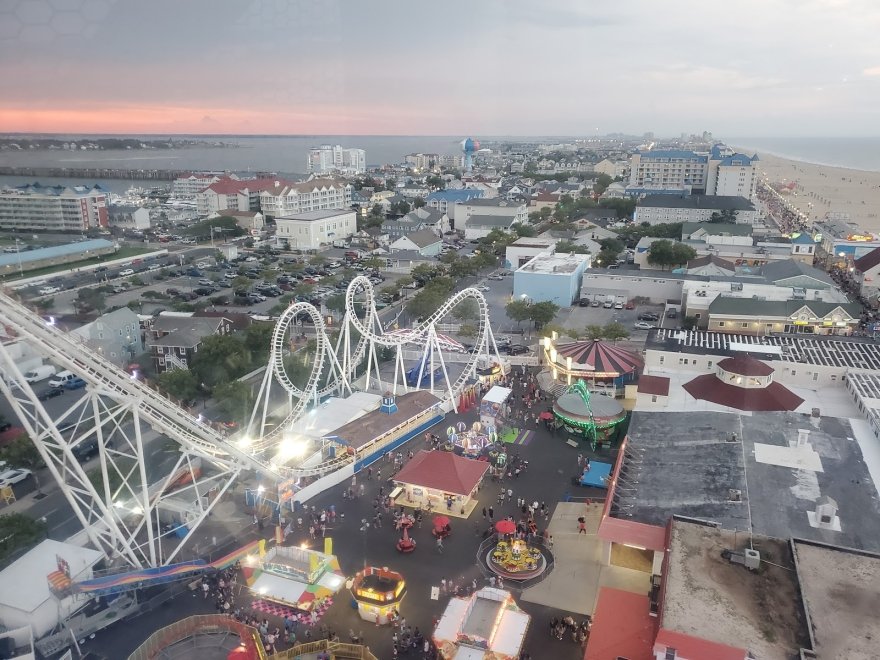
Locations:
{"points": [[456, 67]]}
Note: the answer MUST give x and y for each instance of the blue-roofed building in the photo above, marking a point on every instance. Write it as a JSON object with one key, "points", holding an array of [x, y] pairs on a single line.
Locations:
{"points": [[52, 256], [731, 173], [34, 207], [445, 200]]}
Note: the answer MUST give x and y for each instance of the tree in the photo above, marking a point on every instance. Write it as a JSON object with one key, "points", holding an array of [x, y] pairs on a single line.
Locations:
{"points": [[179, 383], [88, 299], [623, 207], [523, 230], [615, 331], [660, 253], [241, 283], [426, 302], [220, 359], [564, 247], [257, 338], [405, 282], [234, 399], [594, 331], [335, 303], [423, 272], [466, 310], [518, 310], [468, 330], [418, 203], [23, 453], [435, 181], [543, 313], [601, 184], [317, 260], [682, 253], [18, 532]]}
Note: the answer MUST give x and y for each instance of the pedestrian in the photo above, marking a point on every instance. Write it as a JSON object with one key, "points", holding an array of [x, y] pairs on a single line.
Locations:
{"points": [[439, 545], [491, 514], [582, 526], [369, 473], [509, 494], [443, 586], [484, 512]]}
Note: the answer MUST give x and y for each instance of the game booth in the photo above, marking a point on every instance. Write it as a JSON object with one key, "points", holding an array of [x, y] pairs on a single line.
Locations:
{"points": [[439, 481], [294, 579], [378, 593], [487, 626], [494, 408]]}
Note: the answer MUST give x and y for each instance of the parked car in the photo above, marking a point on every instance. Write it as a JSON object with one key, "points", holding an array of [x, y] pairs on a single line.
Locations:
{"points": [[255, 297], [595, 303], [630, 305], [172, 292], [618, 305], [126, 272], [644, 325], [203, 291], [649, 316], [62, 378], [517, 349], [75, 384], [671, 313], [50, 393], [496, 278], [608, 304], [204, 282], [483, 287], [13, 476], [242, 301], [48, 290], [584, 302]]}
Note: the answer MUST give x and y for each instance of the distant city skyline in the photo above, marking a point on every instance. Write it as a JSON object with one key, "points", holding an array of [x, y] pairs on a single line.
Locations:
{"points": [[494, 67]]}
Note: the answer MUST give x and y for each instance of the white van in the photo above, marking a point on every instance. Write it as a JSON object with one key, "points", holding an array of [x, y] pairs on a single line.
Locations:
{"points": [[39, 373], [62, 378]]}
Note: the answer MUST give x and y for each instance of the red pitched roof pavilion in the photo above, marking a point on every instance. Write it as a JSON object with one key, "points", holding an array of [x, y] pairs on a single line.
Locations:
{"points": [[444, 471]]}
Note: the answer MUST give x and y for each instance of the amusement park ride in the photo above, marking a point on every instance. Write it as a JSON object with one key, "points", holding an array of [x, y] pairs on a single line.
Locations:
{"points": [[120, 511]]}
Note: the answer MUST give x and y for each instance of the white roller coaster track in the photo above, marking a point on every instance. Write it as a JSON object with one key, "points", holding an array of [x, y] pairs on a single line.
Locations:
{"points": [[366, 334]]}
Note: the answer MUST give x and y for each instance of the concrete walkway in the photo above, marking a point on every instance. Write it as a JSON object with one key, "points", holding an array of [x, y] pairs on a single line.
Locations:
{"points": [[579, 572]]}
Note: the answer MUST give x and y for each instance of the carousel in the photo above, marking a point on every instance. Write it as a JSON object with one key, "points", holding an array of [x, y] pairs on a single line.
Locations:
{"points": [[378, 593], [512, 558], [603, 366], [595, 418]]}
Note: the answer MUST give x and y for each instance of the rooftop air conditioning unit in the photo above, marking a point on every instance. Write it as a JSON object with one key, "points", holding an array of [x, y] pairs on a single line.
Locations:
{"points": [[749, 558]]}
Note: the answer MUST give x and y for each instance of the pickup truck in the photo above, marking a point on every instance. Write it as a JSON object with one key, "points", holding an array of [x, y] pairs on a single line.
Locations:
{"points": [[47, 290]]}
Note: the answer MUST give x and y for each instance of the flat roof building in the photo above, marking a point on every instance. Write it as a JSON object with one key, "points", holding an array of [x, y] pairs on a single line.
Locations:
{"points": [[657, 209], [551, 277], [37, 208], [311, 230]]}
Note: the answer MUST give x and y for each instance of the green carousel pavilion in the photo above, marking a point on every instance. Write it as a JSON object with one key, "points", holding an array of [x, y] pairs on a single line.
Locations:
{"points": [[595, 418]]}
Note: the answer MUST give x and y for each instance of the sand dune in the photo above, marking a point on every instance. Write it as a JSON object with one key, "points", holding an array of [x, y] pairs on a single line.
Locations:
{"points": [[822, 189]]}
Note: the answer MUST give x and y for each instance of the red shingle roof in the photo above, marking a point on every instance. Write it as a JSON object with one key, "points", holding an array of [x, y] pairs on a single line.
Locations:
{"points": [[443, 470], [622, 626], [658, 385], [867, 261], [765, 399], [745, 365], [687, 646]]}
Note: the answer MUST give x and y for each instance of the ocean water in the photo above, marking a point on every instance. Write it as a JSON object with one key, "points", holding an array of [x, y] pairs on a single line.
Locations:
{"points": [[854, 153], [286, 155]]}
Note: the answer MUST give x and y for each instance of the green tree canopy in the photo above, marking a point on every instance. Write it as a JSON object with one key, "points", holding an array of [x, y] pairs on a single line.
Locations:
{"points": [[518, 310], [418, 203], [234, 399], [466, 310], [542, 313], [179, 383], [615, 331], [18, 532], [601, 183], [220, 359], [665, 253], [523, 230], [88, 299], [22, 452]]}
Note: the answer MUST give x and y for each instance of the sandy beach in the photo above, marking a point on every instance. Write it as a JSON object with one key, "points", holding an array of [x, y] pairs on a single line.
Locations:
{"points": [[822, 189]]}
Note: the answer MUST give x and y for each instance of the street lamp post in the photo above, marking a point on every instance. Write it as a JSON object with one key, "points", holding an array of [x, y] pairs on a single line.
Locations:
{"points": [[18, 252]]}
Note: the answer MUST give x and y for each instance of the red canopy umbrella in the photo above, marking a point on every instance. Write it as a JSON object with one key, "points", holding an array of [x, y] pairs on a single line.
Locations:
{"points": [[505, 526], [546, 415], [441, 521]]}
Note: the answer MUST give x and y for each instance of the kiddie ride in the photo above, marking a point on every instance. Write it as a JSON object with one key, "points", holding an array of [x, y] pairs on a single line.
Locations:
{"points": [[471, 442], [406, 544], [516, 560], [442, 528]]}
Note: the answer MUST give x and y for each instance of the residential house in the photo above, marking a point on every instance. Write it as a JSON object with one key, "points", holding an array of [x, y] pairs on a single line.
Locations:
{"points": [[612, 168], [426, 242], [445, 200], [545, 199], [314, 229], [479, 216], [251, 221], [174, 339], [418, 220], [615, 190], [717, 233], [115, 336], [129, 216]]}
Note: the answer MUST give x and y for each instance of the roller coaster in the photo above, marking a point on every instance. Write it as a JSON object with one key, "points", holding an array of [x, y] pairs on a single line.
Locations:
{"points": [[120, 508]]}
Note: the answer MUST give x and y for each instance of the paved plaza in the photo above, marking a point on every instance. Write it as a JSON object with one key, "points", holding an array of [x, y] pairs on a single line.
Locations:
{"points": [[570, 589]]}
